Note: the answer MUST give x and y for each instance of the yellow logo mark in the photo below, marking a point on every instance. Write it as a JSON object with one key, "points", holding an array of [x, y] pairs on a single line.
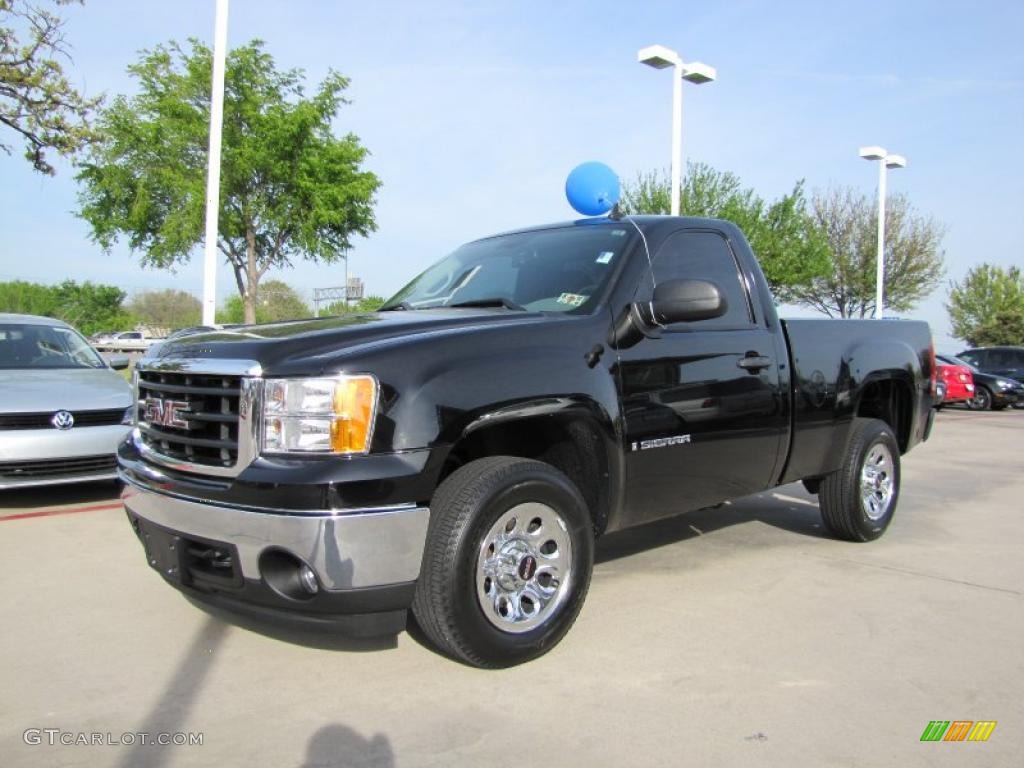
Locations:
{"points": [[982, 730]]}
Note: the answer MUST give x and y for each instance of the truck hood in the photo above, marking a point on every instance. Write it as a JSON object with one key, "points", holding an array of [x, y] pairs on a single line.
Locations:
{"points": [[316, 344], [71, 389]]}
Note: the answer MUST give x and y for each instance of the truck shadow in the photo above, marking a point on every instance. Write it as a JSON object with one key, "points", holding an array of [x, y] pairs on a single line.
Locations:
{"points": [[788, 508], [320, 639]]}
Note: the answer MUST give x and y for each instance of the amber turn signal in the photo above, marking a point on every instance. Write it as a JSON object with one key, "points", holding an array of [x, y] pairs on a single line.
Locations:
{"points": [[355, 398]]}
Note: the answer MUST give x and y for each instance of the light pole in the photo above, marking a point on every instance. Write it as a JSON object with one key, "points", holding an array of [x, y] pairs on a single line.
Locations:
{"points": [[220, 44], [660, 57], [885, 161]]}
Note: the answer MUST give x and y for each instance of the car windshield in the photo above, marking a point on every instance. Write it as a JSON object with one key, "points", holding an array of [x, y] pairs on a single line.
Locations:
{"points": [[24, 345], [550, 270]]}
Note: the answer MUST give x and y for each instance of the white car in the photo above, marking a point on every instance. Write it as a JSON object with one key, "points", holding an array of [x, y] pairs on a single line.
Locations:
{"points": [[63, 410], [126, 341]]}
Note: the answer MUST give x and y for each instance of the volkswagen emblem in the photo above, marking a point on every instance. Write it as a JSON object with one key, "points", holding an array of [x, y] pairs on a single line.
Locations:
{"points": [[63, 420]]}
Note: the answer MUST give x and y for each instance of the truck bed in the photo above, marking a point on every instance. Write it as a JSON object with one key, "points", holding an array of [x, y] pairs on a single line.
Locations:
{"points": [[833, 364]]}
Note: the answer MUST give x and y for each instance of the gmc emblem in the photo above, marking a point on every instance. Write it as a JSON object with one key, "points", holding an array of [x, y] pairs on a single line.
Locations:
{"points": [[167, 413]]}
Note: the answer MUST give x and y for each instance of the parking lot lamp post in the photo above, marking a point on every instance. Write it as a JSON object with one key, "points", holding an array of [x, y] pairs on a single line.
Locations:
{"points": [[220, 42], [660, 57], [885, 162]]}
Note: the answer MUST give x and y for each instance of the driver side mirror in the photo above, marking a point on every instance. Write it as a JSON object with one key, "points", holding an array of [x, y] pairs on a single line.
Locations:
{"points": [[674, 301], [685, 301], [118, 363]]}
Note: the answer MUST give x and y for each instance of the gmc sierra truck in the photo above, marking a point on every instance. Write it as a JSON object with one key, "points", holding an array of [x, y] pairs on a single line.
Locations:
{"points": [[457, 452]]}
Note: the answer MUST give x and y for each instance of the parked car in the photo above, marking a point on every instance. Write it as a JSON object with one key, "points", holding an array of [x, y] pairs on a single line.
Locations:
{"points": [[990, 392], [958, 381], [999, 361], [62, 409], [458, 451], [126, 341]]}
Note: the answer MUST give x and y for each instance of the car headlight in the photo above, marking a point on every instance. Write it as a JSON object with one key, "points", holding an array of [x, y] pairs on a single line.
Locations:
{"points": [[129, 416], [332, 415], [1006, 383]]}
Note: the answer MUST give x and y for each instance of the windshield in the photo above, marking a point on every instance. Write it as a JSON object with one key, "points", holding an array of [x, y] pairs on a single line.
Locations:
{"points": [[550, 270], [45, 346]]}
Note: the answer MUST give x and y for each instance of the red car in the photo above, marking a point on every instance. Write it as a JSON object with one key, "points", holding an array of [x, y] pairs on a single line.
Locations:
{"points": [[959, 383]]}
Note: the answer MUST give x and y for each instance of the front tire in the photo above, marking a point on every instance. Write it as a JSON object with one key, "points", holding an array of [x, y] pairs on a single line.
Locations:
{"points": [[982, 400], [858, 500], [507, 562]]}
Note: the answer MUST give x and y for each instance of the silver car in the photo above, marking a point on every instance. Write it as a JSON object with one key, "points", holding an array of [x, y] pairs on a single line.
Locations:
{"points": [[62, 409]]}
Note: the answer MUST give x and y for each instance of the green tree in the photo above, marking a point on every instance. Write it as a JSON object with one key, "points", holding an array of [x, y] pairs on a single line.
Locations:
{"points": [[289, 188], [91, 307], [277, 301], [36, 100], [365, 304], [87, 306], [987, 306], [791, 251], [27, 298], [169, 308], [848, 220]]}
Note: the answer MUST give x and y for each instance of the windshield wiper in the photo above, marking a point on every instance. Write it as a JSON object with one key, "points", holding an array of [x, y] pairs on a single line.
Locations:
{"points": [[490, 301], [400, 306]]}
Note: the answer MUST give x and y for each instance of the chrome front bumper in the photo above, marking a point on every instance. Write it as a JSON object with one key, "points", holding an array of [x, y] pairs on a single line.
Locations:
{"points": [[347, 548]]}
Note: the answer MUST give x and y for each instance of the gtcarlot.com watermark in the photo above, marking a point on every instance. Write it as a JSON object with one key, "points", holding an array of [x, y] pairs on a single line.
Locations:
{"points": [[55, 737]]}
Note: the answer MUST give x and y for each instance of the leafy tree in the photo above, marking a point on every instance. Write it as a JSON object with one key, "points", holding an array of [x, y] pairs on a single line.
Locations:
{"points": [[791, 251], [92, 308], [289, 188], [87, 306], [277, 301], [1005, 329], [849, 220], [365, 304], [36, 100], [987, 307], [170, 308], [28, 298]]}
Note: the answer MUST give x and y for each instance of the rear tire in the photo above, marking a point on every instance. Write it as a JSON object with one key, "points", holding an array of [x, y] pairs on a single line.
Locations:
{"points": [[858, 500], [507, 562]]}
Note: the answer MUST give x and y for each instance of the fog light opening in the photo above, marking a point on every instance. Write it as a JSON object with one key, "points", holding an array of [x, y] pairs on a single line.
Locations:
{"points": [[288, 575]]}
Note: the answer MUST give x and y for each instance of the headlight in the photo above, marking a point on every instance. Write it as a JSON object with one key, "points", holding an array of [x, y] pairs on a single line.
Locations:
{"points": [[129, 415], [1006, 384], [319, 415]]}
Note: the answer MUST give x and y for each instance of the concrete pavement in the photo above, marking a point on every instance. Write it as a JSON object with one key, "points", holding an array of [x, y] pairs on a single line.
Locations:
{"points": [[735, 636]]}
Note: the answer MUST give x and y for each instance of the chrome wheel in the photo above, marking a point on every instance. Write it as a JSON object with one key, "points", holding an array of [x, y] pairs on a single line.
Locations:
{"points": [[981, 401], [524, 567], [876, 481]]}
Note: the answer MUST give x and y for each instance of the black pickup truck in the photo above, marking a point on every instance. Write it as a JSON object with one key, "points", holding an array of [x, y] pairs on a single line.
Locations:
{"points": [[457, 452]]}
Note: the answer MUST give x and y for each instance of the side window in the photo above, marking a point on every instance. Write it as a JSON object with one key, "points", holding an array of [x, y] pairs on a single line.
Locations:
{"points": [[696, 255]]}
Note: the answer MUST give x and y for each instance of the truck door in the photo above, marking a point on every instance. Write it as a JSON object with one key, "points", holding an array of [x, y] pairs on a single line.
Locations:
{"points": [[702, 407]]}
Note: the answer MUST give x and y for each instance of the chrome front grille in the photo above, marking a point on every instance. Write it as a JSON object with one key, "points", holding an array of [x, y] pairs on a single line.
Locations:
{"points": [[207, 432], [198, 415]]}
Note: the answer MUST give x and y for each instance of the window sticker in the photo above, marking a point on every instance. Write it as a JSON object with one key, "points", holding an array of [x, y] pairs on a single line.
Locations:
{"points": [[605, 256], [572, 299], [618, 233]]}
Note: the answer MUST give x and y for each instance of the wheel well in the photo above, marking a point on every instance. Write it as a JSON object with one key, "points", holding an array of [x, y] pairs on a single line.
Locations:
{"points": [[890, 401], [571, 444]]}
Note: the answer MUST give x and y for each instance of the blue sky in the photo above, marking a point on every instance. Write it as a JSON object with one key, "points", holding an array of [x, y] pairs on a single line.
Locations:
{"points": [[475, 112]]}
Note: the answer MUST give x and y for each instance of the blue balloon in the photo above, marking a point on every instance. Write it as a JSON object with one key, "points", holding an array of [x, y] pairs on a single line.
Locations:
{"points": [[592, 188]]}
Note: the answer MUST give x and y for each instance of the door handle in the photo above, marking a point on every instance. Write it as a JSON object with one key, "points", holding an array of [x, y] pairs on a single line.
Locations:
{"points": [[754, 363]]}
